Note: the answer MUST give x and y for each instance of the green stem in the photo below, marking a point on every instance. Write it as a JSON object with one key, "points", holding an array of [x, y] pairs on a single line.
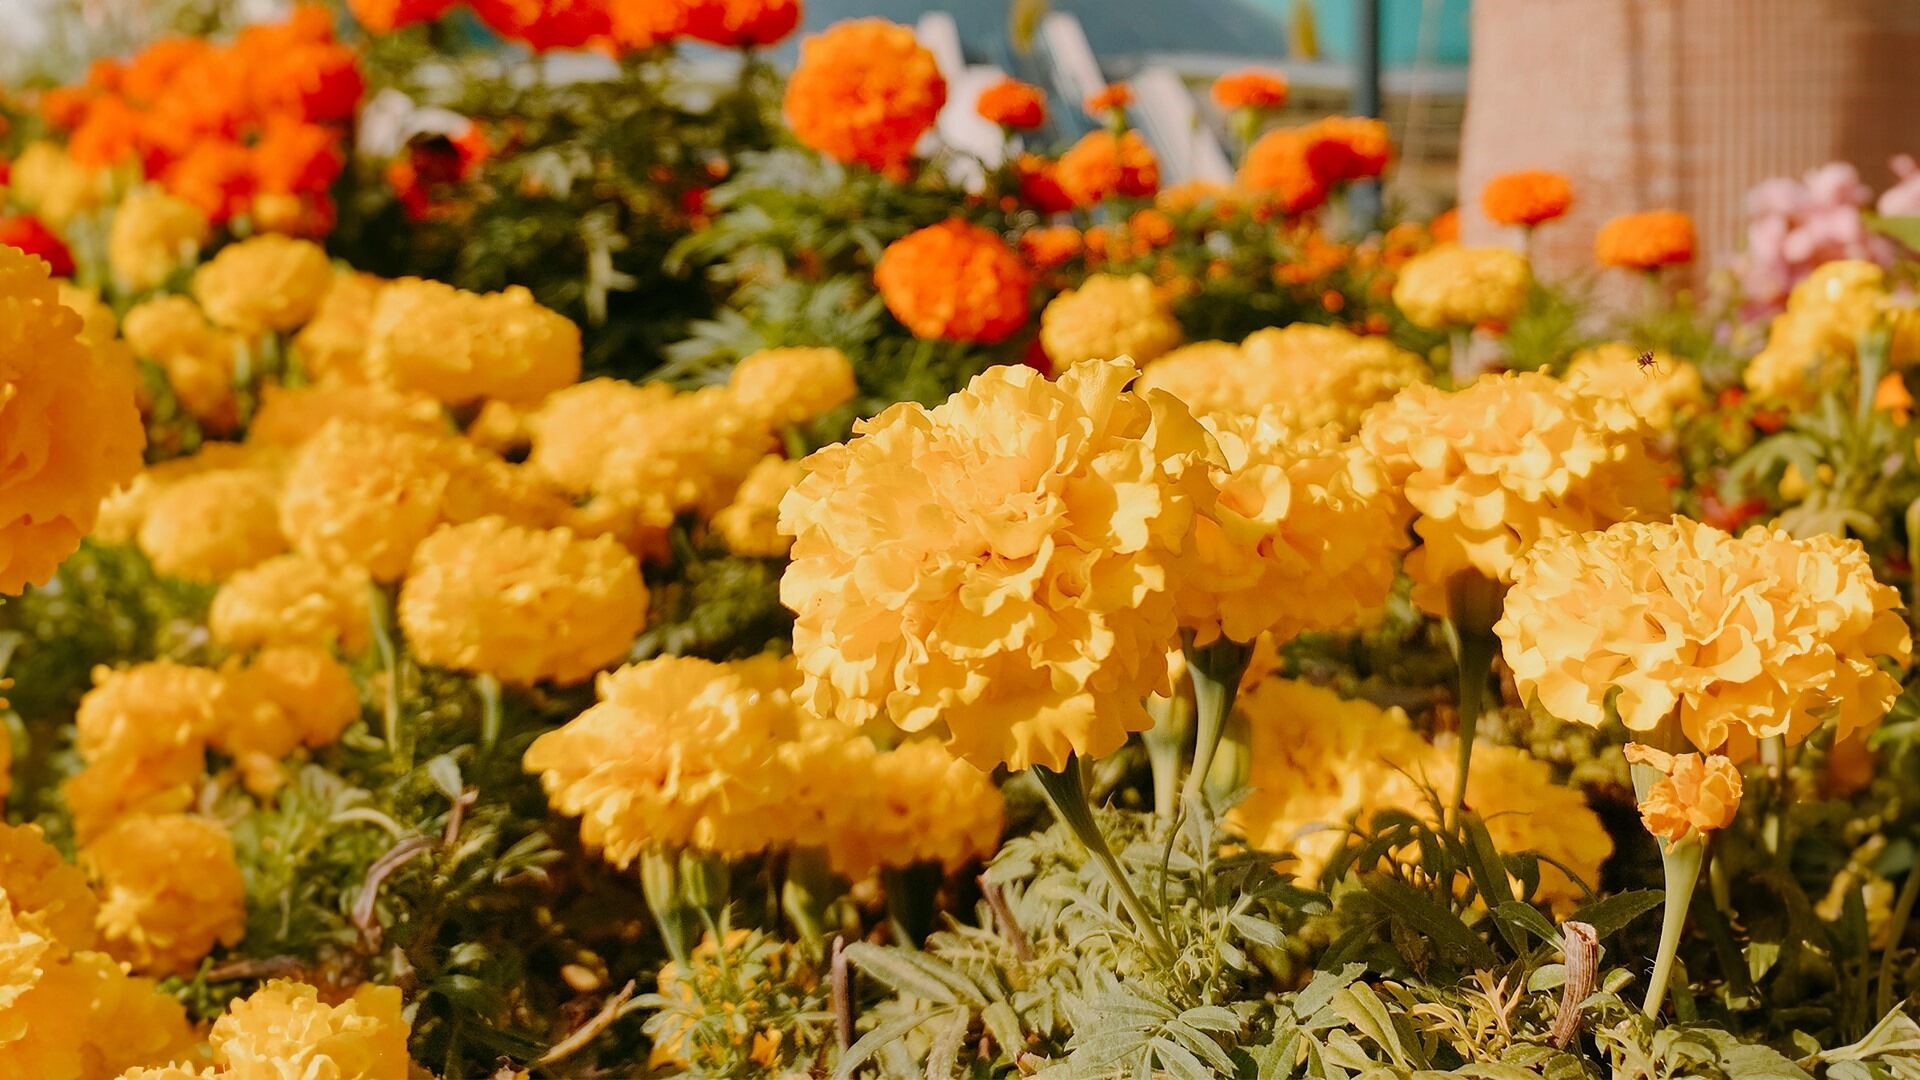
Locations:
{"points": [[488, 688], [912, 894], [1680, 864], [1215, 670], [377, 613], [1875, 343], [1459, 355], [1067, 791], [1166, 743], [660, 884], [1896, 929], [1473, 606], [809, 888]]}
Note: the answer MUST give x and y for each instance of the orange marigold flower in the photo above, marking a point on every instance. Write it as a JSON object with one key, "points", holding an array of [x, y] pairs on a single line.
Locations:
{"points": [[545, 24], [1013, 104], [1526, 198], [386, 16], [1696, 795], [296, 157], [1347, 148], [954, 281], [1050, 247], [738, 24], [1109, 98], [1103, 164], [216, 176], [1645, 241], [1278, 165], [643, 24], [1040, 184], [1149, 229], [1445, 228], [864, 91], [1250, 88]]}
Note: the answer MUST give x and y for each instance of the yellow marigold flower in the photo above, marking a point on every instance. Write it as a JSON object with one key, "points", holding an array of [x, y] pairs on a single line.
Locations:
{"points": [[43, 890], [523, 605], [999, 565], [332, 347], [125, 510], [133, 1022], [366, 495], [1302, 376], [142, 733], [1306, 535], [1745, 638], [918, 804], [1695, 794], [265, 282], [1671, 388], [53, 185], [284, 1030], [1811, 347], [1108, 317], [460, 346], [290, 416], [679, 752], [69, 429], [292, 600], [286, 696], [210, 526], [689, 455], [198, 359], [153, 235], [98, 323], [750, 524], [573, 429], [170, 890], [783, 387], [1452, 286], [1508, 461]]}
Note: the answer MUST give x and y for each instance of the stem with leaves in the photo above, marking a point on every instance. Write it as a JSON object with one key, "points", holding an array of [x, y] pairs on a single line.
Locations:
{"points": [[1067, 791], [1473, 606]]}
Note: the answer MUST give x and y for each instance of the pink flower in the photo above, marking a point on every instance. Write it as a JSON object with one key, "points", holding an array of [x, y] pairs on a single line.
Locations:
{"points": [[1903, 198], [1795, 225]]}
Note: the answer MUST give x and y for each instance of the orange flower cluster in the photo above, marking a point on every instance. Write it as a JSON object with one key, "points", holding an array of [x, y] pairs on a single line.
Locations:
{"points": [[252, 127], [1251, 88], [1102, 165], [1299, 167], [386, 16], [1526, 198], [612, 25], [1112, 97], [1645, 241], [864, 91], [1013, 104], [1039, 180], [955, 281]]}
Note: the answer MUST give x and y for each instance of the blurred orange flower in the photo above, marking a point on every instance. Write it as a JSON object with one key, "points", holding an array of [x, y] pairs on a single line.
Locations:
{"points": [[1051, 246], [1040, 184], [1278, 165], [386, 16], [1109, 98], [1013, 104], [865, 90], [956, 282], [1251, 88], [1342, 149], [546, 24], [1102, 165], [1645, 241], [736, 24], [1526, 198]]}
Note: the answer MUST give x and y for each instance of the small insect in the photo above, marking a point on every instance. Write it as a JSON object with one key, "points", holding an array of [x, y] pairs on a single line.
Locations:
{"points": [[1647, 363]]}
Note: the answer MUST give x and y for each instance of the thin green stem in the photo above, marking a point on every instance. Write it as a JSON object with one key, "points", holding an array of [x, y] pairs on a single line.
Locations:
{"points": [[1166, 743], [660, 884], [1460, 356], [1473, 606], [1067, 791], [488, 688], [808, 889], [377, 613], [1680, 864], [1896, 929], [1875, 343], [1215, 670]]}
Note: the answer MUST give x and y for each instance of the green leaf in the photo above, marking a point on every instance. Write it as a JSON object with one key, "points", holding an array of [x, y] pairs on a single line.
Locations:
{"points": [[913, 974], [1611, 915], [1903, 229], [1426, 917], [1526, 918], [1319, 993], [872, 1042]]}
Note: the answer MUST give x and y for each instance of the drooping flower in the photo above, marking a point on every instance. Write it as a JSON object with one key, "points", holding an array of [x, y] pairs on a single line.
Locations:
{"points": [[1013, 104], [1741, 638], [170, 890], [1527, 198], [523, 605], [292, 599], [1454, 286], [916, 803], [750, 524], [999, 565], [267, 282], [784, 387], [1695, 794], [1509, 461], [864, 92], [213, 525], [69, 429], [459, 346], [1108, 317], [1303, 376], [1659, 394], [153, 235], [1645, 241], [1250, 88], [1306, 535], [954, 281], [283, 1029], [1102, 165]]}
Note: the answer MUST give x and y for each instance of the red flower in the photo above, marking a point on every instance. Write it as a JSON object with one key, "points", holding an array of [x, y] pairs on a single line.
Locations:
{"points": [[31, 235]]}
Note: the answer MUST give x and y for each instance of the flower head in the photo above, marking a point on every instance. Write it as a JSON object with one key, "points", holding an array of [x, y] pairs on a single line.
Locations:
{"points": [[1812, 346], [1462, 286], [45, 891], [1000, 565], [1503, 464], [333, 345], [783, 387], [460, 347], [283, 1029], [386, 16], [170, 890], [1645, 241], [524, 605], [142, 733], [292, 599], [69, 429], [546, 24], [1301, 376], [1102, 165], [1107, 317], [1659, 395], [750, 524], [955, 281], [1013, 104], [27, 234], [1278, 166], [864, 91], [289, 416], [1695, 794], [266, 282], [1528, 198], [284, 697], [1743, 638], [210, 526], [736, 24], [1113, 97], [916, 803], [153, 235], [1250, 88]]}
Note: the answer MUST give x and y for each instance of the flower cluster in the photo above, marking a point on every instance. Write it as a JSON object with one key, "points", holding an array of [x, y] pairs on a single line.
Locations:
{"points": [[169, 891], [954, 281], [864, 91], [1660, 395], [1109, 317], [1298, 169], [1454, 286], [1812, 347], [1303, 376]]}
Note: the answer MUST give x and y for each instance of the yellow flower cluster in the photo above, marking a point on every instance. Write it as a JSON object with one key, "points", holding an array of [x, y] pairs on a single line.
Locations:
{"points": [[1108, 317], [1305, 535], [69, 429], [915, 803], [1320, 763], [170, 890], [200, 360], [523, 605], [1508, 461], [264, 283], [1001, 565], [153, 235], [750, 524], [460, 347], [332, 347], [1304, 376], [1659, 395], [288, 417], [1745, 638], [284, 1030], [292, 600], [1811, 346], [1454, 286], [211, 525], [283, 697], [124, 511], [783, 387], [47, 181], [67, 1011]]}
